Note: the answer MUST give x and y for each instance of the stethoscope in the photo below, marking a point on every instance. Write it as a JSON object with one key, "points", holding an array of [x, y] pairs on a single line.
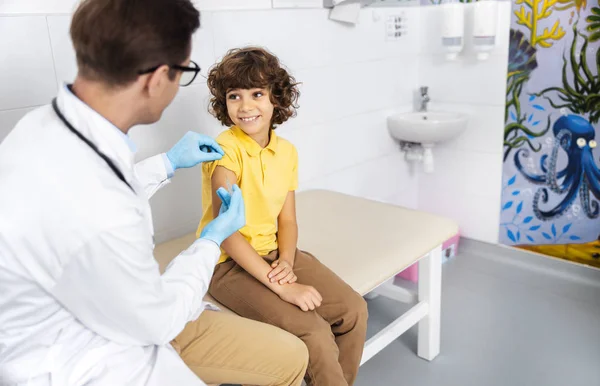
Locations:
{"points": [[90, 144]]}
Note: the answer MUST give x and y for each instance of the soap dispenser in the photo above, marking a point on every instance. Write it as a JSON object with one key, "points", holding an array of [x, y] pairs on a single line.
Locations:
{"points": [[453, 28], [484, 27]]}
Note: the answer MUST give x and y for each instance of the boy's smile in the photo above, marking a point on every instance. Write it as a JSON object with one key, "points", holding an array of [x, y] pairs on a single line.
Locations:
{"points": [[250, 119], [251, 110]]}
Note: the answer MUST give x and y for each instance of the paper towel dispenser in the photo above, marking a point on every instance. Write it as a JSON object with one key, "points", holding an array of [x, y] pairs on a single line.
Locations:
{"points": [[348, 11], [364, 3]]}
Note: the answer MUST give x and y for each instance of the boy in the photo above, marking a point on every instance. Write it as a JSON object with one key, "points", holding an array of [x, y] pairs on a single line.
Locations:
{"points": [[261, 275]]}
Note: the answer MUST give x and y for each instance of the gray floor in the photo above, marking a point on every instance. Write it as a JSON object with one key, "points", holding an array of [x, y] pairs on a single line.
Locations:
{"points": [[508, 318]]}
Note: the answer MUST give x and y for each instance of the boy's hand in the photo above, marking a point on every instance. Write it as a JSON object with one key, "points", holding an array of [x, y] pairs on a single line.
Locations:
{"points": [[282, 272], [303, 296]]}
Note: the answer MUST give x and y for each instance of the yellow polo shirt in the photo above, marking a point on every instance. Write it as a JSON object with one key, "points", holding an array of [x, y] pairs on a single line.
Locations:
{"points": [[265, 176]]}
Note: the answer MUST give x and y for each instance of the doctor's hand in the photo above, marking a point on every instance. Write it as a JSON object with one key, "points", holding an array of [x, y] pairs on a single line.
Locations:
{"points": [[306, 297], [232, 216], [192, 149]]}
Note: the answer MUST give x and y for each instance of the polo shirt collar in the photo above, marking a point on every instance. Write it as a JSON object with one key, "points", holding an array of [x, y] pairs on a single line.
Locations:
{"points": [[251, 146]]}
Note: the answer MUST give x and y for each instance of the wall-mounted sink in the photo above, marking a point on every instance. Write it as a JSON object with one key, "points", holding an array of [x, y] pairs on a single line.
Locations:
{"points": [[427, 127], [418, 132]]}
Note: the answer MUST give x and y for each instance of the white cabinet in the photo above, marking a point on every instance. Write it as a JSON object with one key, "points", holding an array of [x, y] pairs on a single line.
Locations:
{"points": [[217, 5]]}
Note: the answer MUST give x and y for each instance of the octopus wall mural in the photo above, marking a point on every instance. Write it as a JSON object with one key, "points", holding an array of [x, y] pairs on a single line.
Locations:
{"points": [[551, 192]]}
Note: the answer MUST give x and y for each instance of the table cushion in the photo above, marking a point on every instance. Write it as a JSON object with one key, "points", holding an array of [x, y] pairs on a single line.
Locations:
{"points": [[364, 242]]}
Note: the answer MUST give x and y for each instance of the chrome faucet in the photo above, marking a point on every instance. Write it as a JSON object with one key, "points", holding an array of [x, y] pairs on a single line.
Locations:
{"points": [[424, 99]]}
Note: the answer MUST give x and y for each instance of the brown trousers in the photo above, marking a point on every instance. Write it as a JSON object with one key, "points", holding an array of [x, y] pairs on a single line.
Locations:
{"points": [[334, 333]]}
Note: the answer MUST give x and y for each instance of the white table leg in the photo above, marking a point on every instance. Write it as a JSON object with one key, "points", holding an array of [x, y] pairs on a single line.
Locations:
{"points": [[430, 292]]}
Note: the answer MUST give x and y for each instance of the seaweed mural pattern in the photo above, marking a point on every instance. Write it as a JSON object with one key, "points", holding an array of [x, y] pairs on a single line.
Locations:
{"points": [[520, 129], [552, 188], [593, 27], [522, 61]]}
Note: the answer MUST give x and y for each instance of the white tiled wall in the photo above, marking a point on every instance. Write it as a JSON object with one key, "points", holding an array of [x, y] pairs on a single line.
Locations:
{"points": [[18, 7], [210, 5], [333, 92], [352, 80], [308, 39], [386, 179], [467, 182], [62, 49], [41, 7], [27, 75]]}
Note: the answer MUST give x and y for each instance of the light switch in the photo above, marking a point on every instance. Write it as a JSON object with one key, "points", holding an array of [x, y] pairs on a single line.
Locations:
{"points": [[395, 26]]}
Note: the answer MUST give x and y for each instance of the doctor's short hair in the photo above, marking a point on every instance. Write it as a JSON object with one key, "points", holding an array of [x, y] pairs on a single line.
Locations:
{"points": [[115, 40], [248, 68]]}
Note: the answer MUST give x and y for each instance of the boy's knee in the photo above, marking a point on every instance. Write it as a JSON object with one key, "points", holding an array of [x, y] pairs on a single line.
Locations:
{"points": [[358, 307], [317, 335]]}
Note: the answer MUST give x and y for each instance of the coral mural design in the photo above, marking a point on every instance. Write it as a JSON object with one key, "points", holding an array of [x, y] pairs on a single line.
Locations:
{"points": [[551, 160], [531, 13], [566, 4]]}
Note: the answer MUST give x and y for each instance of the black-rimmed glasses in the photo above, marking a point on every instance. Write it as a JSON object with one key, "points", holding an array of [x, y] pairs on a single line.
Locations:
{"points": [[188, 74]]}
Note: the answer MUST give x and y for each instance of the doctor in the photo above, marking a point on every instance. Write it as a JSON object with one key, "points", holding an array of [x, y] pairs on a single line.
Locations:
{"points": [[82, 301]]}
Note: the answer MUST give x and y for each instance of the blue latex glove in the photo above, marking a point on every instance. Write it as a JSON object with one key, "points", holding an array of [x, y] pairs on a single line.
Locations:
{"points": [[232, 216], [192, 149]]}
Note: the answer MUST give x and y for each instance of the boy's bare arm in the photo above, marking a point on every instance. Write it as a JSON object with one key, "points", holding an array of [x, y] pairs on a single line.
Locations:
{"points": [[236, 246], [287, 229], [287, 239]]}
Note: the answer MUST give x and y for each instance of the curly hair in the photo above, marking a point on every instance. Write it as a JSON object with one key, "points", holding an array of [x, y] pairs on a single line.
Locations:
{"points": [[247, 68]]}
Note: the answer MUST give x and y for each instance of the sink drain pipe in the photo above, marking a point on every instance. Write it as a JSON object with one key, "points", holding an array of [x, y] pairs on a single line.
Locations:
{"points": [[419, 153]]}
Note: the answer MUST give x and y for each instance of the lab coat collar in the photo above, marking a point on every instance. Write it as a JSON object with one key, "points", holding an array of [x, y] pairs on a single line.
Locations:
{"points": [[111, 141]]}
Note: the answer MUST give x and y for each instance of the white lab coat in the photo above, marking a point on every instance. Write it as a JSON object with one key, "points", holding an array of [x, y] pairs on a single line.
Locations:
{"points": [[82, 301]]}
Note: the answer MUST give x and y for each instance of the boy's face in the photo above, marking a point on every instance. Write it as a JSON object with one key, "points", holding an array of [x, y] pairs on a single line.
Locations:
{"points": [[250, 110]]}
